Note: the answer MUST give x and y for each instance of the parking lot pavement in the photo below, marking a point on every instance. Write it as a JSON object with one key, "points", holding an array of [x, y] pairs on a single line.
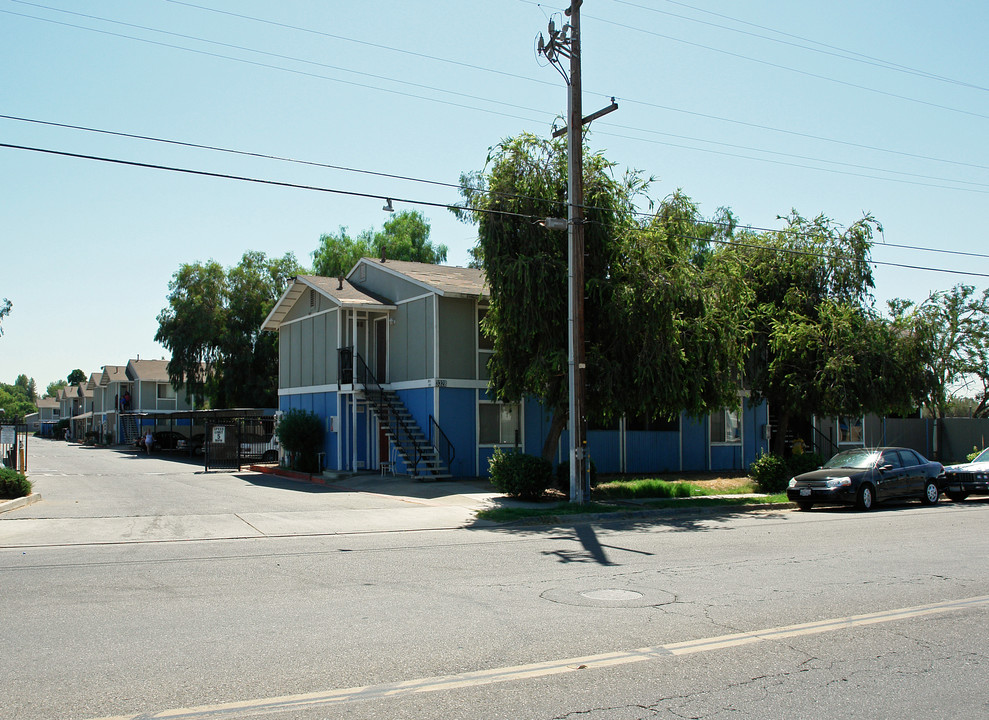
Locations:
{"points": [[98, 496]]}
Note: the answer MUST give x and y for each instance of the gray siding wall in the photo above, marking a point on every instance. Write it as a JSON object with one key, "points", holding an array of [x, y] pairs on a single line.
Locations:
{"points": [[412, 341], [307, 350], [458, 328], [385, 285]]}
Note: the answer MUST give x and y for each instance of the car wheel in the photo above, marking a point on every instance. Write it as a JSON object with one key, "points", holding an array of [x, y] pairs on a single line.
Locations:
{"points": [[957, 496], [804, 504], [269, 456], [865, 498], [931, 493]]}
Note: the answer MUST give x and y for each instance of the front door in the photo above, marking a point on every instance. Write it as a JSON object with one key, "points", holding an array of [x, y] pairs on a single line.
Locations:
{"points": [[381, 350]]}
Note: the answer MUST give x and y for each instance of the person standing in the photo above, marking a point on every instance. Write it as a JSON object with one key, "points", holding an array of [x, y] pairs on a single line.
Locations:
{"points": [[149, 440]]}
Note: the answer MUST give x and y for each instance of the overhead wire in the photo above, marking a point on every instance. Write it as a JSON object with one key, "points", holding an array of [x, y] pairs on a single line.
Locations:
{"points": [[474, 97], [829, 50], [407, 178], [448, 206]]}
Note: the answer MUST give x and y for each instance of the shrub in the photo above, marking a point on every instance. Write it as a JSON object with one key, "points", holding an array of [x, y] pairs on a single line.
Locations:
{"points": [[300, 433], [771, 472], [974, 454], [521, 476], [13, 484], [800, 464]]}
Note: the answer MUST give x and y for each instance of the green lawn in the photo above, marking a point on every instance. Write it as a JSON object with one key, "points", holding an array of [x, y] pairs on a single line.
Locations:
{"points": [[503, 515]]}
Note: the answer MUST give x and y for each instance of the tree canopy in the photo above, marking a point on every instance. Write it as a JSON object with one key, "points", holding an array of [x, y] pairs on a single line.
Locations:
{"points": [[5, 308], [955, 327], [212, 326], [818, 346], [15, 402], [663, 334], [54, 388], [405, 236], [76, 376]]}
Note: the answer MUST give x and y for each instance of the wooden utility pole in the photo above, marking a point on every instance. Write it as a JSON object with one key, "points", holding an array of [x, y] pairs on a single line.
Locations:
{"points": [[566, 42], [579, 485]]}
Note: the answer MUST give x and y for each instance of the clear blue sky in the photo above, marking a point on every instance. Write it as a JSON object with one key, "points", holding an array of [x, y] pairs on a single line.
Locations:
{"points": [[714, 99]]}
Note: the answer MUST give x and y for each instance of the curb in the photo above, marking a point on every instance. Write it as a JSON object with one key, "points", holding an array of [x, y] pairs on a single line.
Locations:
{"points": [[20, 502], [550, 518]]}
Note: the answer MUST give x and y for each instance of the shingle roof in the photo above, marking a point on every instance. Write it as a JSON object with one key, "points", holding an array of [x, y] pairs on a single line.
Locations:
{"points": [[113, 373], [149, 370], [445, 279]]}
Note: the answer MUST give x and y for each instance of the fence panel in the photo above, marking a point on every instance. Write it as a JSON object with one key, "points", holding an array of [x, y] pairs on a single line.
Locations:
{"points": [[13, 446]]}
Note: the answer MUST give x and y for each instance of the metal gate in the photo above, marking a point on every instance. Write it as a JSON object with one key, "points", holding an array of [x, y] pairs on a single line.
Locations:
{"points": [[13, 446], [221, 445]]}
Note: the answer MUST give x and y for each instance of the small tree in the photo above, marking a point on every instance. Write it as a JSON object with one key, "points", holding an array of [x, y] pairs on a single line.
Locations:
{"points": [[300, 432]]}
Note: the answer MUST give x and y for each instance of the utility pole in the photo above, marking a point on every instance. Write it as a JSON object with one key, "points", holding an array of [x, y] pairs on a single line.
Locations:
{"points": [[566, 42]]}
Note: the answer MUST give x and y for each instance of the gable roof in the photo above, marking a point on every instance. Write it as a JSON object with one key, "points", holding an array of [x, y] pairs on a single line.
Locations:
{"points": [[47, 402], [444, 280], [342, 293], [148, 370], [113, 373]]}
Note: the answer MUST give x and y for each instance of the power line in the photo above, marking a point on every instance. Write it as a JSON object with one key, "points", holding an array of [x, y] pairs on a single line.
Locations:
{"points": [[474, 97], [789, 69], [447, 206], [408, 178], [261, 181], [829, 50]]}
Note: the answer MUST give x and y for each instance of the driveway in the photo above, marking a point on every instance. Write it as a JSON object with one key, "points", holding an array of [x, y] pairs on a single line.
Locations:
{"points": [[99, 495]]}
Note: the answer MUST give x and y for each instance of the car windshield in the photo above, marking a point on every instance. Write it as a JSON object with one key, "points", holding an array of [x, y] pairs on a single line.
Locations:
{"points": [[853, 459], [982, 456]]}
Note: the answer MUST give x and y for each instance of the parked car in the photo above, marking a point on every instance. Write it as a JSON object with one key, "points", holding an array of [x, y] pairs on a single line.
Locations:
{"points": [[259, 447], [865, 476], [969, 478], [192, 445], [167, 439]]}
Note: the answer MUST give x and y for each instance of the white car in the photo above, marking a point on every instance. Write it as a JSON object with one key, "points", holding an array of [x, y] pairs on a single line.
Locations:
{"points": [[259, 447], [969, 478]]}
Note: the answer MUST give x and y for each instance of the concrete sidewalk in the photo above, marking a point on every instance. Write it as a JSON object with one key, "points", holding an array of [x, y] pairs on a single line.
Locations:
{"points": [[366, 503]]}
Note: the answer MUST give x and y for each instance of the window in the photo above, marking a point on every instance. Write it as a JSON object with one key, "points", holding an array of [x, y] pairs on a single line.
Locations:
{"points": [[498, 424], [851, 430], [166, 391], [726, 427]]}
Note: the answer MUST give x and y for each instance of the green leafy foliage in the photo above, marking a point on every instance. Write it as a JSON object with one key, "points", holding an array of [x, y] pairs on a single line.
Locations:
{"points": [[518, 475], [54, 389], [212, 326], [663, 327], [5, 307], [76, 376], [405, 236], [974, 454], [300, 433], [770, 472], [13, 484], [15, 401]]}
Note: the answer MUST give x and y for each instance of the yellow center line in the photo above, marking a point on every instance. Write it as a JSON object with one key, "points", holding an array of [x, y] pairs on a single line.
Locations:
{"points": [[264, 706]]}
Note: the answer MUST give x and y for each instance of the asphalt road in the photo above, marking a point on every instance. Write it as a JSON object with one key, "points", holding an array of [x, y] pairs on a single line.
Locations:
{"points": [[773, 614]]}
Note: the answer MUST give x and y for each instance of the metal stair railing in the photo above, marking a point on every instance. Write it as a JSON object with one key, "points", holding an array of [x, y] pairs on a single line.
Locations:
{"points": [[441, 442], [389, 412]]}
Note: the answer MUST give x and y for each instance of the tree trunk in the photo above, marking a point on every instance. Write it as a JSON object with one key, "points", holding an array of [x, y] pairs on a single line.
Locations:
{"points": [[556, 426]]}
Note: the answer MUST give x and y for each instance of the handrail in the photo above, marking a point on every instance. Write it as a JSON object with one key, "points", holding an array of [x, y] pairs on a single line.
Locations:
{"points": [[833, 448], [367, 379], [441, 440]]}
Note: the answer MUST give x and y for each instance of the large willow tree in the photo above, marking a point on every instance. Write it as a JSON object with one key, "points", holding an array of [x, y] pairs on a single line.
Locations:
{"points": [[664, 331]]}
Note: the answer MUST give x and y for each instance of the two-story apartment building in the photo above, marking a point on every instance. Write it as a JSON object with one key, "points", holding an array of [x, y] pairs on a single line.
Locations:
{"points": [[392, 360]]}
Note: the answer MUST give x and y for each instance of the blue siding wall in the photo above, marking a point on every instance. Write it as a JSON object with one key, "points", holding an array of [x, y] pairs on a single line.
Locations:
{"points": [[652, 451], [457, 418], [603, 447], [694, 443], [323, 405]]}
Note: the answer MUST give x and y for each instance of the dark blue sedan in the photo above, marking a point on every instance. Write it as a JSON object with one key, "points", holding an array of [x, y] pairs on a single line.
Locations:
{"points": [[865, 476]]}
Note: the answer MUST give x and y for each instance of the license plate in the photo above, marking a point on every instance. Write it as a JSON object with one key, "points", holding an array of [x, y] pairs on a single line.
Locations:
{"points": [[804, 492]]}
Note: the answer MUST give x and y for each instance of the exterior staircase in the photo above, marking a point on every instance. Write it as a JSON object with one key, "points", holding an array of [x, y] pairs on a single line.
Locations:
{"points": [[129, 431], [421, 459]]}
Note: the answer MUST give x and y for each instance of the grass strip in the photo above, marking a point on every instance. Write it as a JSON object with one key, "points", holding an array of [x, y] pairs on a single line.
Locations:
{"points": [[505, 514]]}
